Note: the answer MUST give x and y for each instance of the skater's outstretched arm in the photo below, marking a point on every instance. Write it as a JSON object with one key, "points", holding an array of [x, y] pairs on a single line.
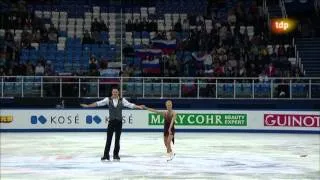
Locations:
{"points": [[152, 110], [103, 102]]}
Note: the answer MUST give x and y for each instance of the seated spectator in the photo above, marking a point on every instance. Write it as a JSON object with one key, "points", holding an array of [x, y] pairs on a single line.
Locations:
{"points": [[52, 37], [144, 25], [37, 36], [28, 22], [283, 89], [44, 38], [242, 71], [103, 26], [281, 51], [263, 77], [128, 71], [137, 26], [29, 69], [290, 51], [93, 63], [219, 70], [2, 72], [185, 25], [129, 26], [39, 70], [232, 19], [52, 29], [94, 72], [86, 38], [49, 71], [270, 70], [96, 37], [152, 26], [178, 26], [95, 26], [2, 59]]}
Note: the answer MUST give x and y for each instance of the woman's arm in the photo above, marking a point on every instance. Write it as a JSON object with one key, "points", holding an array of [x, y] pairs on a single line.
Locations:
{"points": [[152, 110], [172, 121]]}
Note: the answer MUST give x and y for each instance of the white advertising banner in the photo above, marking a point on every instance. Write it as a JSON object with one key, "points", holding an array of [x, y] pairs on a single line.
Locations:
{"points": [[96, 119]]}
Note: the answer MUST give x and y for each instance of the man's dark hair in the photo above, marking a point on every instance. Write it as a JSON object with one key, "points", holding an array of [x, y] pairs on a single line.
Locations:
{"points": [[115, 87]]}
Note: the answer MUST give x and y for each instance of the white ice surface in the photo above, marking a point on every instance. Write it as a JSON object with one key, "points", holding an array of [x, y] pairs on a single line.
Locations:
{"points": [[198, 156]]}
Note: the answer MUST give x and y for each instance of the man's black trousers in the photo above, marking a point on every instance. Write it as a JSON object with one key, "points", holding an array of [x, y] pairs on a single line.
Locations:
{"points": [[113, 126]]}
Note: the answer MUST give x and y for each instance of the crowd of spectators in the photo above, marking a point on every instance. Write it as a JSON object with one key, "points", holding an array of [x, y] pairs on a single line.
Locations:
{"points": [[227, 51]]}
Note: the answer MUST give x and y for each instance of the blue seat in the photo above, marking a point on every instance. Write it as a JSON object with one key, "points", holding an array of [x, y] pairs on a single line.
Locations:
{"points": [[84, 66], [257, 89], [52, 47], [34, 55], [145, 34], [104, 36], [43, 46], [63, 34], [28, 87], [157, 89], [166, 90], [243, 89], [220, 89], [175, 89], [86, 47], [69, 59], [51, 57], [24, 58], [130, 89], [262, 90], [84, 60], [298, 90], [148, 89], [266, 87], [8, 87], [60, 55], [136, 35], [138, 89]]}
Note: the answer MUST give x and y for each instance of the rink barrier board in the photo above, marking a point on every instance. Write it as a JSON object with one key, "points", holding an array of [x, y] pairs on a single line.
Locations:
{"points": [[161, 130], [95, 120]]}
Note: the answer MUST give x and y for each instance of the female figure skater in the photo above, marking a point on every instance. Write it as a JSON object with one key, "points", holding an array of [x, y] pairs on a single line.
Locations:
{"points": [[169, 129]]}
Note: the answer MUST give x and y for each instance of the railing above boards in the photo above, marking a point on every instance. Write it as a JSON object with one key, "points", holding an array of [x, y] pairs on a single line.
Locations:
{"points": [[162, 87]]}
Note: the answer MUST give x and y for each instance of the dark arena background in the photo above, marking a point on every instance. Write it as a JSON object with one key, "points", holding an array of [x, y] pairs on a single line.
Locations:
{"points": [[243, 77]]}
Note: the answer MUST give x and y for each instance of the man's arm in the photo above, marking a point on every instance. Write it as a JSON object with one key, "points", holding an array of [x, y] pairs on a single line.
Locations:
{"points": [[127, 104], [98, 103]]}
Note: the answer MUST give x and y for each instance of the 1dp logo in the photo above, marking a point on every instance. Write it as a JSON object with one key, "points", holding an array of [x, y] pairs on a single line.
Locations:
{"points": [[35, 119], [90, 119]]}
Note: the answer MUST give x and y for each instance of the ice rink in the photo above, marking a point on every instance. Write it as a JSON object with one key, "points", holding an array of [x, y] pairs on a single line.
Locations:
{"points": [[198, 156]]}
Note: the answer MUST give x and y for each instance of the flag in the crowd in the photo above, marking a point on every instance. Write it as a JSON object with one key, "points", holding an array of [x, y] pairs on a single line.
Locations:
{"points": [[151, 66], [167, 46], [143, 53], [199, 57]]}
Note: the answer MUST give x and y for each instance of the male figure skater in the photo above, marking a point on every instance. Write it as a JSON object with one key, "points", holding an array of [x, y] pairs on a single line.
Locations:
{"points": [[116, 105]]}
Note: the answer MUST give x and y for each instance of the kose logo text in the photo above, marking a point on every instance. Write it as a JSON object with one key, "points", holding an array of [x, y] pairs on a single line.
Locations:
{"points": [[55, 119]]}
